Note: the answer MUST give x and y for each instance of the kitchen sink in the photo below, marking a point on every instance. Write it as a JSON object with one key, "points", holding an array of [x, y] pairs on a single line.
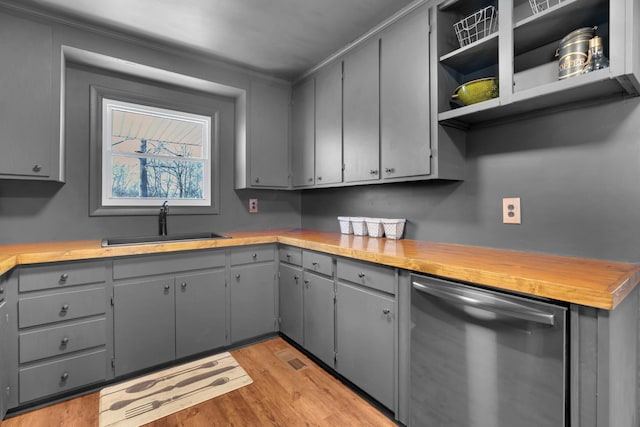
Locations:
{"points": [[143, 240]]}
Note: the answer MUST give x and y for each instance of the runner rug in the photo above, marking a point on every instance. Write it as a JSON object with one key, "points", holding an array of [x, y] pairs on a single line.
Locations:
{"points": [[148, 398]]}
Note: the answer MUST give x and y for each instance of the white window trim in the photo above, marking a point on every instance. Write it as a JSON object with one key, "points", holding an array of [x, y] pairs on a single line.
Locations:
{"points": [[108, 106]]}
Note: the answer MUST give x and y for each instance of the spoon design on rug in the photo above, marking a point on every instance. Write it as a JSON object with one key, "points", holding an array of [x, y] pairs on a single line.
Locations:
{"points": [[122, 403], [148, 407], [147, 384]]}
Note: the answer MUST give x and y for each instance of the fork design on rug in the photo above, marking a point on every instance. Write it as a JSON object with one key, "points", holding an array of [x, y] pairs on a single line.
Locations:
{"points": [[142, 400]]}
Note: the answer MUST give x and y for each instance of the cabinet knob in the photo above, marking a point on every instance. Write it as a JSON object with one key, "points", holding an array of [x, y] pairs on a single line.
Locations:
{"points": [[64, 376], [296, 278], [319, 178], [373, 172], [389, 170], [64, 308], [315, 263], [306, 282], [64, 341], [254, 256], [288, 256], [311, 179], [64, 277], [37, 168], [1, 290], [183, 285], [361, 275], [237, 276], [167, 287], [386, 311], [257, 180]]}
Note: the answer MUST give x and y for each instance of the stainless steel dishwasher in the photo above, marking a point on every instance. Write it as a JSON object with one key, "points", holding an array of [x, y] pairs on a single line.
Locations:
{"points": [[481, 358]]}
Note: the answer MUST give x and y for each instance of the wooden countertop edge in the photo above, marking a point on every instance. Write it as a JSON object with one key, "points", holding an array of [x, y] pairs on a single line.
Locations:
{"points": [[489, 270]]}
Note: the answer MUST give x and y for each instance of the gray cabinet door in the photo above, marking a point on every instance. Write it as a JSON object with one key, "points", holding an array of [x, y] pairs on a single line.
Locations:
{"points": [[252, 301], [269, 135], [200, 312], [144, 324], [290, 302], [319, 317], [404, 97], [26, 102], [303, 134], [329, 125], [365, 340], [361, 111]]}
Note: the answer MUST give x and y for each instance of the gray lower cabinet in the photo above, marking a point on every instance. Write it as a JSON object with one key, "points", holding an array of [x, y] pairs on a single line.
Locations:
{"points": [[144, 324], [319, 325], [365, 340], [365, 327], [167, 306], [201, 312], [252, 292], [62, 327], [290, 302]]}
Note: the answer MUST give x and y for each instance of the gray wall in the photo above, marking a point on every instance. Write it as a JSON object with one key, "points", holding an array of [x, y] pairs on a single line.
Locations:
{"points": [[47, 211], [577, 174]]}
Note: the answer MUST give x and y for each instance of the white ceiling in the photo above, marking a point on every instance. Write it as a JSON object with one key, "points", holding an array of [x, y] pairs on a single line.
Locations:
{"points": [[280, 37]]}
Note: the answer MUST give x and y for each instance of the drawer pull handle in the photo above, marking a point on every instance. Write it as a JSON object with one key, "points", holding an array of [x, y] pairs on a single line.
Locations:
{"points": [[288, 256], [64, 376], [37, 168], [361, 275], [254, 256], [64, 341], [315, 263], [64, 277], [64, 308], [183, 285], [167, 287], [386, 311]]}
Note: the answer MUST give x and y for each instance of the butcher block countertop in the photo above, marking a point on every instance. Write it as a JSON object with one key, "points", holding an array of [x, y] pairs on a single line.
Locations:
{"points": [[594, 283]]}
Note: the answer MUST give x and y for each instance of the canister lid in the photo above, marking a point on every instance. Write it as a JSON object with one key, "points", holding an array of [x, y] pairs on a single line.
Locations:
{"points": [[584, 31]]}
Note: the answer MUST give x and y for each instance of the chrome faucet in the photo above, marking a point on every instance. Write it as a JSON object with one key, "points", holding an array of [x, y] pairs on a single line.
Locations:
{"points": [[162, 218]]}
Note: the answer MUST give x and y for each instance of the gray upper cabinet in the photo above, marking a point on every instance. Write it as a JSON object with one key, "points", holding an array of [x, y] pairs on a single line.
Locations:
{"points": [[521, 54], [28, 133], [328, 153], [404, 97], [269, 135], [361, 113], [303, 134]]}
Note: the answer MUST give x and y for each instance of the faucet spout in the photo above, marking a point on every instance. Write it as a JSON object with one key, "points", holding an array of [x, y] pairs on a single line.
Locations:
{"points": [[162, 219]]}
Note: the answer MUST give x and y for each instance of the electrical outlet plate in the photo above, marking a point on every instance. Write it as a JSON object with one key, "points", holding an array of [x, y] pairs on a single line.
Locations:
{"points": [[253, 205], [511, 210]]}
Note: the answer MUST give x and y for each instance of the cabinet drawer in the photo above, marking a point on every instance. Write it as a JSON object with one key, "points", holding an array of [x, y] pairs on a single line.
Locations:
{"points": [[61, 340], [151, 265], [61, 306], [61, 274], [365, 274], [320, 263], [252, 255], [56, 377], [291, 255]]}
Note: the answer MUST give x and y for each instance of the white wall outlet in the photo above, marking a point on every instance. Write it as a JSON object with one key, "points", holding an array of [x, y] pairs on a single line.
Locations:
{"points": [[511, 210], [253, 205]]}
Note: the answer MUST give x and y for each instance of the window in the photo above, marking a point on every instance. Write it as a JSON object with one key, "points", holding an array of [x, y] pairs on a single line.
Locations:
{"points": [[152, 154], [149, 144]]}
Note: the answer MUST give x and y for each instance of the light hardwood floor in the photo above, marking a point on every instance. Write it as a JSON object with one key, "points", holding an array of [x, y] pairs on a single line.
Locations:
{"points": [[278, 396]]}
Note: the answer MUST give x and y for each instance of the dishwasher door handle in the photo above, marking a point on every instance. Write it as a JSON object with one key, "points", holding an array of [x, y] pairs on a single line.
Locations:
{"points": [[487, 301]]}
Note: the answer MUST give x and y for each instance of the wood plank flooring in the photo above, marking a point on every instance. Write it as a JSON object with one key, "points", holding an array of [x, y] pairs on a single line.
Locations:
{"points": [[279, 396]]}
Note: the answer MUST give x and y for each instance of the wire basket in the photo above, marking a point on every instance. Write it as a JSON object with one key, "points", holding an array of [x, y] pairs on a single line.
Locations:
{"points": [[538, 6], [476, 26]]}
